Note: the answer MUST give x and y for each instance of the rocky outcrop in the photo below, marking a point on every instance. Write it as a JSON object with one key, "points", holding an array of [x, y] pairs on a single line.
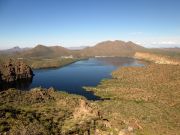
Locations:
{"points": [[14, 70], [84, 110], [159, 59]]}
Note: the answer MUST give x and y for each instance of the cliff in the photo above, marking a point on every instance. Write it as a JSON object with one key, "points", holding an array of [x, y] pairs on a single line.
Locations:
{"points": [[159, 59], [14, 70]]}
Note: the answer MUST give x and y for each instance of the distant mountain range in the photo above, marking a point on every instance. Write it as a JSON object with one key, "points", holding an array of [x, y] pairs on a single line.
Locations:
{"points": [[13, 50], [106, 48]]}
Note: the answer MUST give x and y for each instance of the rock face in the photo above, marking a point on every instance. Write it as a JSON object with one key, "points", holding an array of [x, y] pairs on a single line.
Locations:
{"points": [[14, 70]]}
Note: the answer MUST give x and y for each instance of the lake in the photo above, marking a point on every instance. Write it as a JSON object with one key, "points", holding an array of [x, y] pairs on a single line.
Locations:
{"points": [[73, 77]]}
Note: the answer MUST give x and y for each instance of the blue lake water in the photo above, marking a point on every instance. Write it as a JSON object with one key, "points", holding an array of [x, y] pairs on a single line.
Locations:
{"points": [[73, 77]]}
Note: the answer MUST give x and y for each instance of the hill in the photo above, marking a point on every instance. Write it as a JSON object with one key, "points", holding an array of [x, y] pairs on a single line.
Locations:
{"points": [[13, 50], [45, 52], [112, 48]]}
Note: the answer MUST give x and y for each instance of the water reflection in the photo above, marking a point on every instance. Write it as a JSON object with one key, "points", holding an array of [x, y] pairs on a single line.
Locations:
{"points": [[120, 61], [19, 84]]}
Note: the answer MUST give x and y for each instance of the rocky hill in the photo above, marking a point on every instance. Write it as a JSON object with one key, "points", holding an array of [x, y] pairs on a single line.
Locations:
{"points": [[13, 50], [14, 70], [45, 52], [112, 48]]}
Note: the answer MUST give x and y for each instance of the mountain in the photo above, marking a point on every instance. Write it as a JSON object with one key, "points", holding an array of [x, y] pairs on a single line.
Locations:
{"points": [[77, 48], [112, 48], [106, 48], [45, 52], [15, 49]]}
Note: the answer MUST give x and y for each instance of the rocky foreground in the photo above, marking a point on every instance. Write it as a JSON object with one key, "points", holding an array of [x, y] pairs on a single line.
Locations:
{"points": [[44, 112], [12, 70]]}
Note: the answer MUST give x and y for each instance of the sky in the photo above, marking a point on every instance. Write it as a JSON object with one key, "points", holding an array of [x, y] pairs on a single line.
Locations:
{"points": [[70, 23]]}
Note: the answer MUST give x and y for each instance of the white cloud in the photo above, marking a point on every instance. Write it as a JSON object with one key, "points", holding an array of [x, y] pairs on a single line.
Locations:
{"points": [[165, 43]]}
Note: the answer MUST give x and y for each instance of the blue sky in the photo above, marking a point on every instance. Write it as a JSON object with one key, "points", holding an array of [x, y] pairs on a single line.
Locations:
{"points": [[26, 23]]}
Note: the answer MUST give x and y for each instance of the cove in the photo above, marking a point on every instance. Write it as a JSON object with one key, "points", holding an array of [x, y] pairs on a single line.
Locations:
{"points": [[73, 77]]}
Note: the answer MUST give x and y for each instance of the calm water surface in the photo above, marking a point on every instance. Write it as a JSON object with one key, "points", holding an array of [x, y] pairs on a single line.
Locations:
{"points": [[73, 77]]}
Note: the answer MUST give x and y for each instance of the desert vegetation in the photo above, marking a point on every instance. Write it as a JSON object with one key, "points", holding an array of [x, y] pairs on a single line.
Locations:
{"points": [[45, 111], [137, 100], [38, 63], [141, 100]]}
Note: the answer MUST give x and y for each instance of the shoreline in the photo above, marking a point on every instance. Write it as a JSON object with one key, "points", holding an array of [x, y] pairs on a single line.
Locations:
{"points": [[129, 93]]}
